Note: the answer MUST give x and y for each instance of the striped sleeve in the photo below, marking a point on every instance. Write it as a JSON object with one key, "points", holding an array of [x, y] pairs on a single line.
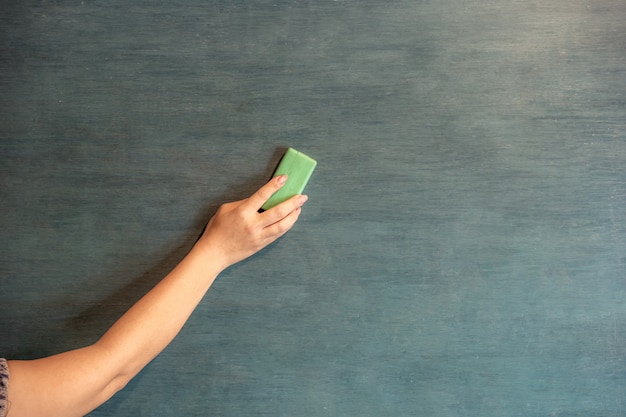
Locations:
{"points": [[4, 386]]}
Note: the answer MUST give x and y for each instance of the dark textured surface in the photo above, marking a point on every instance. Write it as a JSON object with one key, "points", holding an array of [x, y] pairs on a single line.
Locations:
{"points": [[463, 251]]}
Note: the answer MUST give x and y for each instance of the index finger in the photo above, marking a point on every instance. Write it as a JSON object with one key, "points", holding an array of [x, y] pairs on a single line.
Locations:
{"points": [[264, 193]]}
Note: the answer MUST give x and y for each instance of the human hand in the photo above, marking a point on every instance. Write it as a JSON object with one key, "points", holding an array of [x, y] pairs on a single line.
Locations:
{"points": [[238, 230]]}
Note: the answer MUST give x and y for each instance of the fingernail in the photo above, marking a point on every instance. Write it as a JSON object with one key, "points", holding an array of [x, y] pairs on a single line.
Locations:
{"points": [[302, 199], [282, 179]]}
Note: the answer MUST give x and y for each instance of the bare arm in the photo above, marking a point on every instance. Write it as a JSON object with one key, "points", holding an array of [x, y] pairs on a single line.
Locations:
{"points": [[76, 382]]}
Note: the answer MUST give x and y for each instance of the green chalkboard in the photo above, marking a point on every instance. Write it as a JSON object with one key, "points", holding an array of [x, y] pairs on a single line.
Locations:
{"points": [[463, 249]]}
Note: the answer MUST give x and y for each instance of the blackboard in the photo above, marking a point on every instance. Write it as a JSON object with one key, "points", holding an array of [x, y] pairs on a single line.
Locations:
{"points": [[463, 250]]}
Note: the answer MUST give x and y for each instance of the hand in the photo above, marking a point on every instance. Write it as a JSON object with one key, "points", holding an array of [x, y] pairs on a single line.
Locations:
{"points": [[238, 230]]}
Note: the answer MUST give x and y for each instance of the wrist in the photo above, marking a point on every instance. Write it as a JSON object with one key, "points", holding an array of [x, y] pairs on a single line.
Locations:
{"points": [[210, 255]]}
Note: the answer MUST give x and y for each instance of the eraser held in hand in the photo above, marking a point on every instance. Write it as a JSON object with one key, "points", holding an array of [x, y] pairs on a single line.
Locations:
{"points": [[298, 168]]}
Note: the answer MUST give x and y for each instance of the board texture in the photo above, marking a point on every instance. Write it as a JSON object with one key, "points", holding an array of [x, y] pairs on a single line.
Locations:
{"points": [[463, 249]]}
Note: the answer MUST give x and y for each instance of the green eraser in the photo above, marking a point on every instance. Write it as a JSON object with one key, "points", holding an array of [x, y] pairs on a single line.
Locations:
{"points": [[299, 168]]}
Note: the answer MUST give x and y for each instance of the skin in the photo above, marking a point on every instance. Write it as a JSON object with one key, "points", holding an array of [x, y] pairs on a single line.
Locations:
{"points": [[76, 382]]}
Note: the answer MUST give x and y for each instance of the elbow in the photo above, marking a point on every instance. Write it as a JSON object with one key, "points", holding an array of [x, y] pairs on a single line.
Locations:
{"points": [[114, 371], [115, 385], [119, 383]]}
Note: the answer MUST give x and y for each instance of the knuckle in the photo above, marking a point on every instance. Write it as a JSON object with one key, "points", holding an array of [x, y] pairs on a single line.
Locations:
{"points": [[281, 211], [266, 192], [249, 228]]}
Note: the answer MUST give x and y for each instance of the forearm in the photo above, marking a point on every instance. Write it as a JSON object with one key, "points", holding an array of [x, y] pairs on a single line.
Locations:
{"points": [[151, 324], [234, 233]]}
